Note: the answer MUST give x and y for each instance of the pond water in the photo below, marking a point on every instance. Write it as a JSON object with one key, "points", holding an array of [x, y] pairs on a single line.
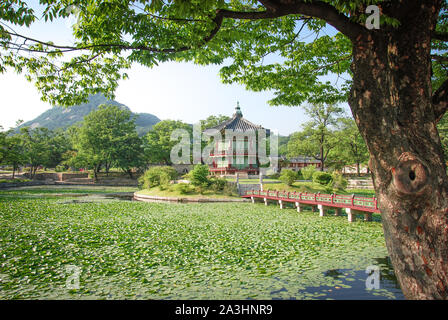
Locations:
{"points": [[354, 286], [287, 257], [351, 283]]}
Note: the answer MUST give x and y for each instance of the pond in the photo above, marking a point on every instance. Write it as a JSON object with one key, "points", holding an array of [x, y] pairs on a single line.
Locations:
{"points": [[354, 287], [135, 250]]}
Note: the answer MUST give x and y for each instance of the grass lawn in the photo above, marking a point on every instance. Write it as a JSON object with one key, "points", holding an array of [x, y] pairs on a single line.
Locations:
{"points": [[138, 250]]}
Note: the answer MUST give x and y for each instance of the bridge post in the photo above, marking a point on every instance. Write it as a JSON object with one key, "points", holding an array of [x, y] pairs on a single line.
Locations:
{"points": [[299, 209], [280, 202], [322, 210], [253, 199], [265, 201], [351, 214]]}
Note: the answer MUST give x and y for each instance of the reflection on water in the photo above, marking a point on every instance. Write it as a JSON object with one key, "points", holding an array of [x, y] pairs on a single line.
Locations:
{"points": [[353, 284]]}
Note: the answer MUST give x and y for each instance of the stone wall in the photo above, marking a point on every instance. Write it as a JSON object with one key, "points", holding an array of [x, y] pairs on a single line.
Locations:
{"points": [[56, 176], [246, 187], [360, 184]]}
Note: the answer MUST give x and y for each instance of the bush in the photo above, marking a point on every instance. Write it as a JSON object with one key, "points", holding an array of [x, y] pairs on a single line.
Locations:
{"points": [[157, 176], [323, 178], [274, 175], [59, 169], [218, 184], [339, 182], [14, 180], [199, 175], [288, 176], [230, 189], [184, 188], [307, 172]]}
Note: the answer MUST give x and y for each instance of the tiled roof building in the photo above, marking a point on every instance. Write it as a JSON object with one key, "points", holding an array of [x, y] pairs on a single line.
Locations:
{"points": [[224, 158]]}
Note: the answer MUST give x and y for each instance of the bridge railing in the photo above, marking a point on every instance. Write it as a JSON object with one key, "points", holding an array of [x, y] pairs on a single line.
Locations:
{"points": [[346, 200]]}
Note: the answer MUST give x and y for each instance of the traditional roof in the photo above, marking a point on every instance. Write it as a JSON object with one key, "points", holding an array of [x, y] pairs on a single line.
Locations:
{"points": [[237, 123]]}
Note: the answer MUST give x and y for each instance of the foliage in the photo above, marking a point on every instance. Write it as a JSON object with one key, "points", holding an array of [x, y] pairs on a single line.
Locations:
{"points": [[288, 176], [36, 147], [351, 147], [184, 188], [11, 150], [318, 136], [205, 32], [199, 175], [338, 181], [442, 127], [108, 136], [274, 176], [14, 180], [218, 184], [308, 172], [213, 121], [158, 143], [157, 176], [323, 178]]}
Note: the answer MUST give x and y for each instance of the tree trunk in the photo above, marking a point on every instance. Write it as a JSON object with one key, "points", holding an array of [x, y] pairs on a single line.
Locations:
{"points": [[130, 173], [95, 174], [357, 169], [391, 103]]}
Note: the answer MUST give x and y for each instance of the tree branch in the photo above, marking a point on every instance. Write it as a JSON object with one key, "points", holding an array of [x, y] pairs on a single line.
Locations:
{"points": [[439, 58], [316, 9], [440, 101], [442, 36], [325, 11]]}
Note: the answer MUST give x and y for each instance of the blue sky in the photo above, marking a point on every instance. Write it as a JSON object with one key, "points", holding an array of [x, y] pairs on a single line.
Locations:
{"points": [[179, 91]]}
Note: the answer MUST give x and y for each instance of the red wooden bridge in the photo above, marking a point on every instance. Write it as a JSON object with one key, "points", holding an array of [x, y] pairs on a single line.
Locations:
{"points": [[353, 205]]}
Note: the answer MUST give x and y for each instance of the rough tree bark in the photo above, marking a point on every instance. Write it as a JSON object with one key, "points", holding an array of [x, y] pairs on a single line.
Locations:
{"points": [[392, 102]]}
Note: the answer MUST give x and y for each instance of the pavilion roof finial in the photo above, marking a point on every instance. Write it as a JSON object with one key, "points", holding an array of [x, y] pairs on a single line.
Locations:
{"points": [[238, 109]]}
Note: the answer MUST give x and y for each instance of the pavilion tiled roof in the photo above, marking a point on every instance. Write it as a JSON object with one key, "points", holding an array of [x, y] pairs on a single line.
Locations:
{"points": [[237, 123]]}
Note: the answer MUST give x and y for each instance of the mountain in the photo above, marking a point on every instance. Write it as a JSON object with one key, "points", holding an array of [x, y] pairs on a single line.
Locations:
{"points": [[60, 117]]}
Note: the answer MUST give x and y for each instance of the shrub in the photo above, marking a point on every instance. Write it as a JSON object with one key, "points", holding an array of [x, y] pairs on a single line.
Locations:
{"points": [[199, 175], [323, 178], [59, 169], [307, 172], [288, 176], [274, 175], [184, 188], [14, 180], [218, 184], [157, 176], [230, 189], [339, 182]]}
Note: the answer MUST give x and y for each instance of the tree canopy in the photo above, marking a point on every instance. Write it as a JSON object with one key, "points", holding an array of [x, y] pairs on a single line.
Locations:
{"points": [[318, 136], [267, 44]]}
